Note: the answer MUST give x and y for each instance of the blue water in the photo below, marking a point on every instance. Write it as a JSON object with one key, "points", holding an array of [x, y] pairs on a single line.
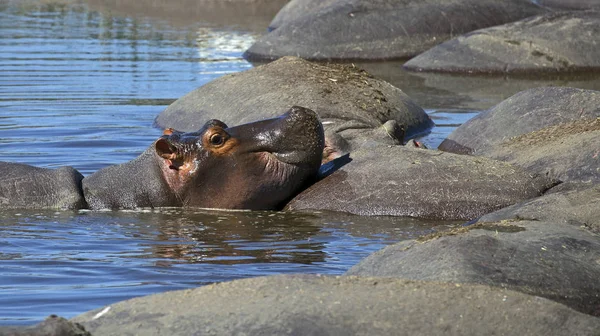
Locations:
{"points": [[81, 86]]}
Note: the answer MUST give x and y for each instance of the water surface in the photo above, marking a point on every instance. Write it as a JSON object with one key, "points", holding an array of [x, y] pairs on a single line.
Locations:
{"points": [[80, 85]]}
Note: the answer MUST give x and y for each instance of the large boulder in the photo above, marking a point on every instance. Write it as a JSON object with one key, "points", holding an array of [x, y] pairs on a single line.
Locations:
{"points": [[545, 258], [401, 181], [554, 42], [569, 152], [325, 305], [551, 130], [51, 326], [345, 98], [27, 187], [378, 30]]}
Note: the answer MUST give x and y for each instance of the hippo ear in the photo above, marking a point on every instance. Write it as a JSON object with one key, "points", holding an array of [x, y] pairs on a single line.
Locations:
{"points": [[213, 123]]}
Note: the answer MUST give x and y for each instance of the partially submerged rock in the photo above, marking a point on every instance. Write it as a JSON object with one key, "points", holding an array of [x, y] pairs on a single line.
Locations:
{"points": [[346, 98], [527, 111], [401, 181], [553, 42], [539, 257], [27, 187], [551, 130], [51, 326], [378, 30], [321, 305]]}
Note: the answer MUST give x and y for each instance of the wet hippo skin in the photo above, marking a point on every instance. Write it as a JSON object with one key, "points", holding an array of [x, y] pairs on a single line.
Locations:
{"points": [[253, 166], [27, 187]]}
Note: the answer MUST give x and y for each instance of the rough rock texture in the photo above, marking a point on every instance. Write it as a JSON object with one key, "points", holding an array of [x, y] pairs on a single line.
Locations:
{"points": [[28, 187], [554, 42], [552, 130], [51, 326], [568, 152], [319, 305], [344, 97], [579, 207], [400, 181], [539, 257], [381, 29], [571, 4]]}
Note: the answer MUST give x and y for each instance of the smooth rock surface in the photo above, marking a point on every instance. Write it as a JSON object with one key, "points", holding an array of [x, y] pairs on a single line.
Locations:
{"points": [[555, 42], [570, 4], [51, 326], [525, 112], [27, 187], [539, 257], [378, 30], [344, 97], [579, 207], [401, 181], [319, 305]]}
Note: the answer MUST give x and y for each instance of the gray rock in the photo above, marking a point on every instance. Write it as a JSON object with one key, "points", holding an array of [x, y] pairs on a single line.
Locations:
{"points": [[554, 42], [579, 206], [539, 257], [51, 326], [570, 4], [320, 305], [401, 181], [27, 187], [344, 97], [550, 130], [568, 152], [378, 30]]}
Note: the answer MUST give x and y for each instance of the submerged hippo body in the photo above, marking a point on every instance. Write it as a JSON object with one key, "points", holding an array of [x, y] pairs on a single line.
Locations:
{"points": [[27, 187], [253, 166]]}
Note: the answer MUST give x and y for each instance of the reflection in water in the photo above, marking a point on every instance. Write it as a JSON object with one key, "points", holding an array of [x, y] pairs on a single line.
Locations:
{"points": [[82, 88], [472, 93], [250, 15], [71, 262]]}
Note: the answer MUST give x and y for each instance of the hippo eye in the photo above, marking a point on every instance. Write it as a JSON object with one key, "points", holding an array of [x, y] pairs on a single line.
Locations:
{"points": [[217, 139]]}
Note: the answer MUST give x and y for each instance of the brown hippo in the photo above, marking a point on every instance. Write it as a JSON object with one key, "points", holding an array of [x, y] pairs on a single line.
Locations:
{"points": [[258, 165]]}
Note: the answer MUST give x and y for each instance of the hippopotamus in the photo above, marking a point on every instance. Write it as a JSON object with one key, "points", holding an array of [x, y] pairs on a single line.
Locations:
{"points": [[259, 165], [256, 166]]}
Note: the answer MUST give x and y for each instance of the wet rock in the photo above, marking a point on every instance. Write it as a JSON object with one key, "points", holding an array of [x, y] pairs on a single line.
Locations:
{"points": [[545, 258], [378, 30], [554, 42], [553, 131], [570, 4], [27, 187], [402, 181], [51, 326], [344, 97], [322, 305]]}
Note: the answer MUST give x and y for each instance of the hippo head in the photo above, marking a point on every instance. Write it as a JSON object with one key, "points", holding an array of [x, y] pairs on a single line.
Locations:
{"points": [[258, 165]]}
